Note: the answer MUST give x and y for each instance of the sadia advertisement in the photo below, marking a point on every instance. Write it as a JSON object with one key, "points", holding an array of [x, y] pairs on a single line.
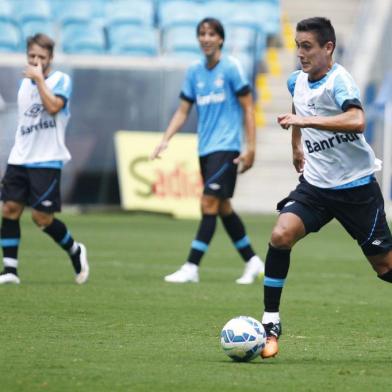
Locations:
{"points": [[171, 184]]}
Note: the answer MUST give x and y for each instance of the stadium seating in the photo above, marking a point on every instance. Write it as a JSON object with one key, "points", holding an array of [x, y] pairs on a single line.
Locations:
{"points": [[180, 41], [132, 40], [72, 11], [6, 13], [179, 13], [32, 27], [32, 10], [164, 27], [140, 12], [220, 9], [83, 38], [10, 37]]}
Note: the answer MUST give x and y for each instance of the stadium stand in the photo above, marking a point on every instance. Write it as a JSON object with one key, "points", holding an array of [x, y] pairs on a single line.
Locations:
{"points": [[32, 27], [163, 27], [179, 13], [6, 13], [83, 38], [32, 10], [128, 39], [139, 12], [10, 37], [180, 41]]}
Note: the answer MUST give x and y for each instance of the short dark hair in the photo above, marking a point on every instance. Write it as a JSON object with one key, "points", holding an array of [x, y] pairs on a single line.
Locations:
{"points": [[215, 24], [322, 27], [41, 40]]}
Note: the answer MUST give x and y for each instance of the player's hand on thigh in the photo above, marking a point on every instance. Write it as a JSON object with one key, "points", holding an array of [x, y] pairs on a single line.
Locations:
{"points": [[245, 161]]}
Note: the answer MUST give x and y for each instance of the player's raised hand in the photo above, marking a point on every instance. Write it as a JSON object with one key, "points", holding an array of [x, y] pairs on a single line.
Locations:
{"points": [[245, 160], [34, 71], [162, 146]]}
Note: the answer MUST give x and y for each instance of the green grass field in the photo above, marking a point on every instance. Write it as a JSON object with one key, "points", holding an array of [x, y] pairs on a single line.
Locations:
{"points": [[128, 330]]}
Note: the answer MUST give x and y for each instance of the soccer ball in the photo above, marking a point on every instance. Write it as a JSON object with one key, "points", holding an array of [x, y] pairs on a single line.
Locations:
{"points": [[243, 338]]}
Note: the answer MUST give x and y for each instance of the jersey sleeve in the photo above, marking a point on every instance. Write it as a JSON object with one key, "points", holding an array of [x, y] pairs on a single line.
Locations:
{"points": [[346, 93], [238, 79], [291, 82], [63, 88], [188, 90]]}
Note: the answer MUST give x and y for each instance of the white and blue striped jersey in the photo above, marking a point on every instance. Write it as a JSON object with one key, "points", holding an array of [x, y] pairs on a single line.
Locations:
{"points": [[332, 159], [40, 136], [215, 92]]}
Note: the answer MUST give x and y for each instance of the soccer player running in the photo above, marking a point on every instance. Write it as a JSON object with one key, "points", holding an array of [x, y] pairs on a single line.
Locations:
{"points": [[222, 94], [337, 166], [34, 166]]}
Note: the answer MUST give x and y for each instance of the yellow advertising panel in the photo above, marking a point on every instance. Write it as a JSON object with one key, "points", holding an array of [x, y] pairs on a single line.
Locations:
{"points": [[171, 184]]}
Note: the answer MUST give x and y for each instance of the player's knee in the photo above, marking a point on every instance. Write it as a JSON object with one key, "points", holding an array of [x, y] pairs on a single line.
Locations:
{"points": [[41, 219], [209, 205], [225, 208], [282, 238], [11, 210]]}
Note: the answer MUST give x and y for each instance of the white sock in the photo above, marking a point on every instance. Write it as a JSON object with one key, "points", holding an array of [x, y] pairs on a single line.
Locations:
{"points": [[74, 248], [270, 317], [9, 262]]}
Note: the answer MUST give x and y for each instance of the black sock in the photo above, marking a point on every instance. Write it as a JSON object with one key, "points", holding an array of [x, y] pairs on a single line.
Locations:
{"points": [[204, 235], [276, 269], [236, 230], [58, 231], [10, 239], [387, 276]]}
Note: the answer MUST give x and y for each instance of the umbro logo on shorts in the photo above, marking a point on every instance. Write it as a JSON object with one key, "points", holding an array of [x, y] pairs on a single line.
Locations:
{"points": [[376, 242], [46, 203], [214, 186], [34, 110]]}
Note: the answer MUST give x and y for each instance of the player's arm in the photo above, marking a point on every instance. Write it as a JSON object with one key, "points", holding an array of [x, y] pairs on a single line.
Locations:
{"points": [[247, 157], [350, 121], [296, 144], [175, 124], [52, 103]]}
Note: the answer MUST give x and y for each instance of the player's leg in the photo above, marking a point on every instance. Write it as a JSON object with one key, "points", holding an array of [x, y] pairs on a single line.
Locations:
{"points": [[189, 272], [362, 215], [236, 231], [10, 239], [287, 231], [45, 200], [14, 196], [213, 169], [296, 220]]}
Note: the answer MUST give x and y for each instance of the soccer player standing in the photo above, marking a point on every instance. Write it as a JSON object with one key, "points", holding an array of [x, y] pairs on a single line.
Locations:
{"points": [[218, 87], [34, 165], [337, 166]]}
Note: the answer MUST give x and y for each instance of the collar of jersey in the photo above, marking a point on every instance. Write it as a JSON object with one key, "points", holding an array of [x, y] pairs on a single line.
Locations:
{"points": [[317, 83], [211, 69]]}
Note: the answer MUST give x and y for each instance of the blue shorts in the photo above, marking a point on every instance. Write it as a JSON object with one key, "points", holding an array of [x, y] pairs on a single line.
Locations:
{"points": [[219, 173], [360, 211]]}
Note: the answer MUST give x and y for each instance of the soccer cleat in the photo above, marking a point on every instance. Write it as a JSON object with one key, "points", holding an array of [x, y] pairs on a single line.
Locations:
{"points": [[82, 276], [253, 269], [273, 332], [8, 277], [189, 272]]}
